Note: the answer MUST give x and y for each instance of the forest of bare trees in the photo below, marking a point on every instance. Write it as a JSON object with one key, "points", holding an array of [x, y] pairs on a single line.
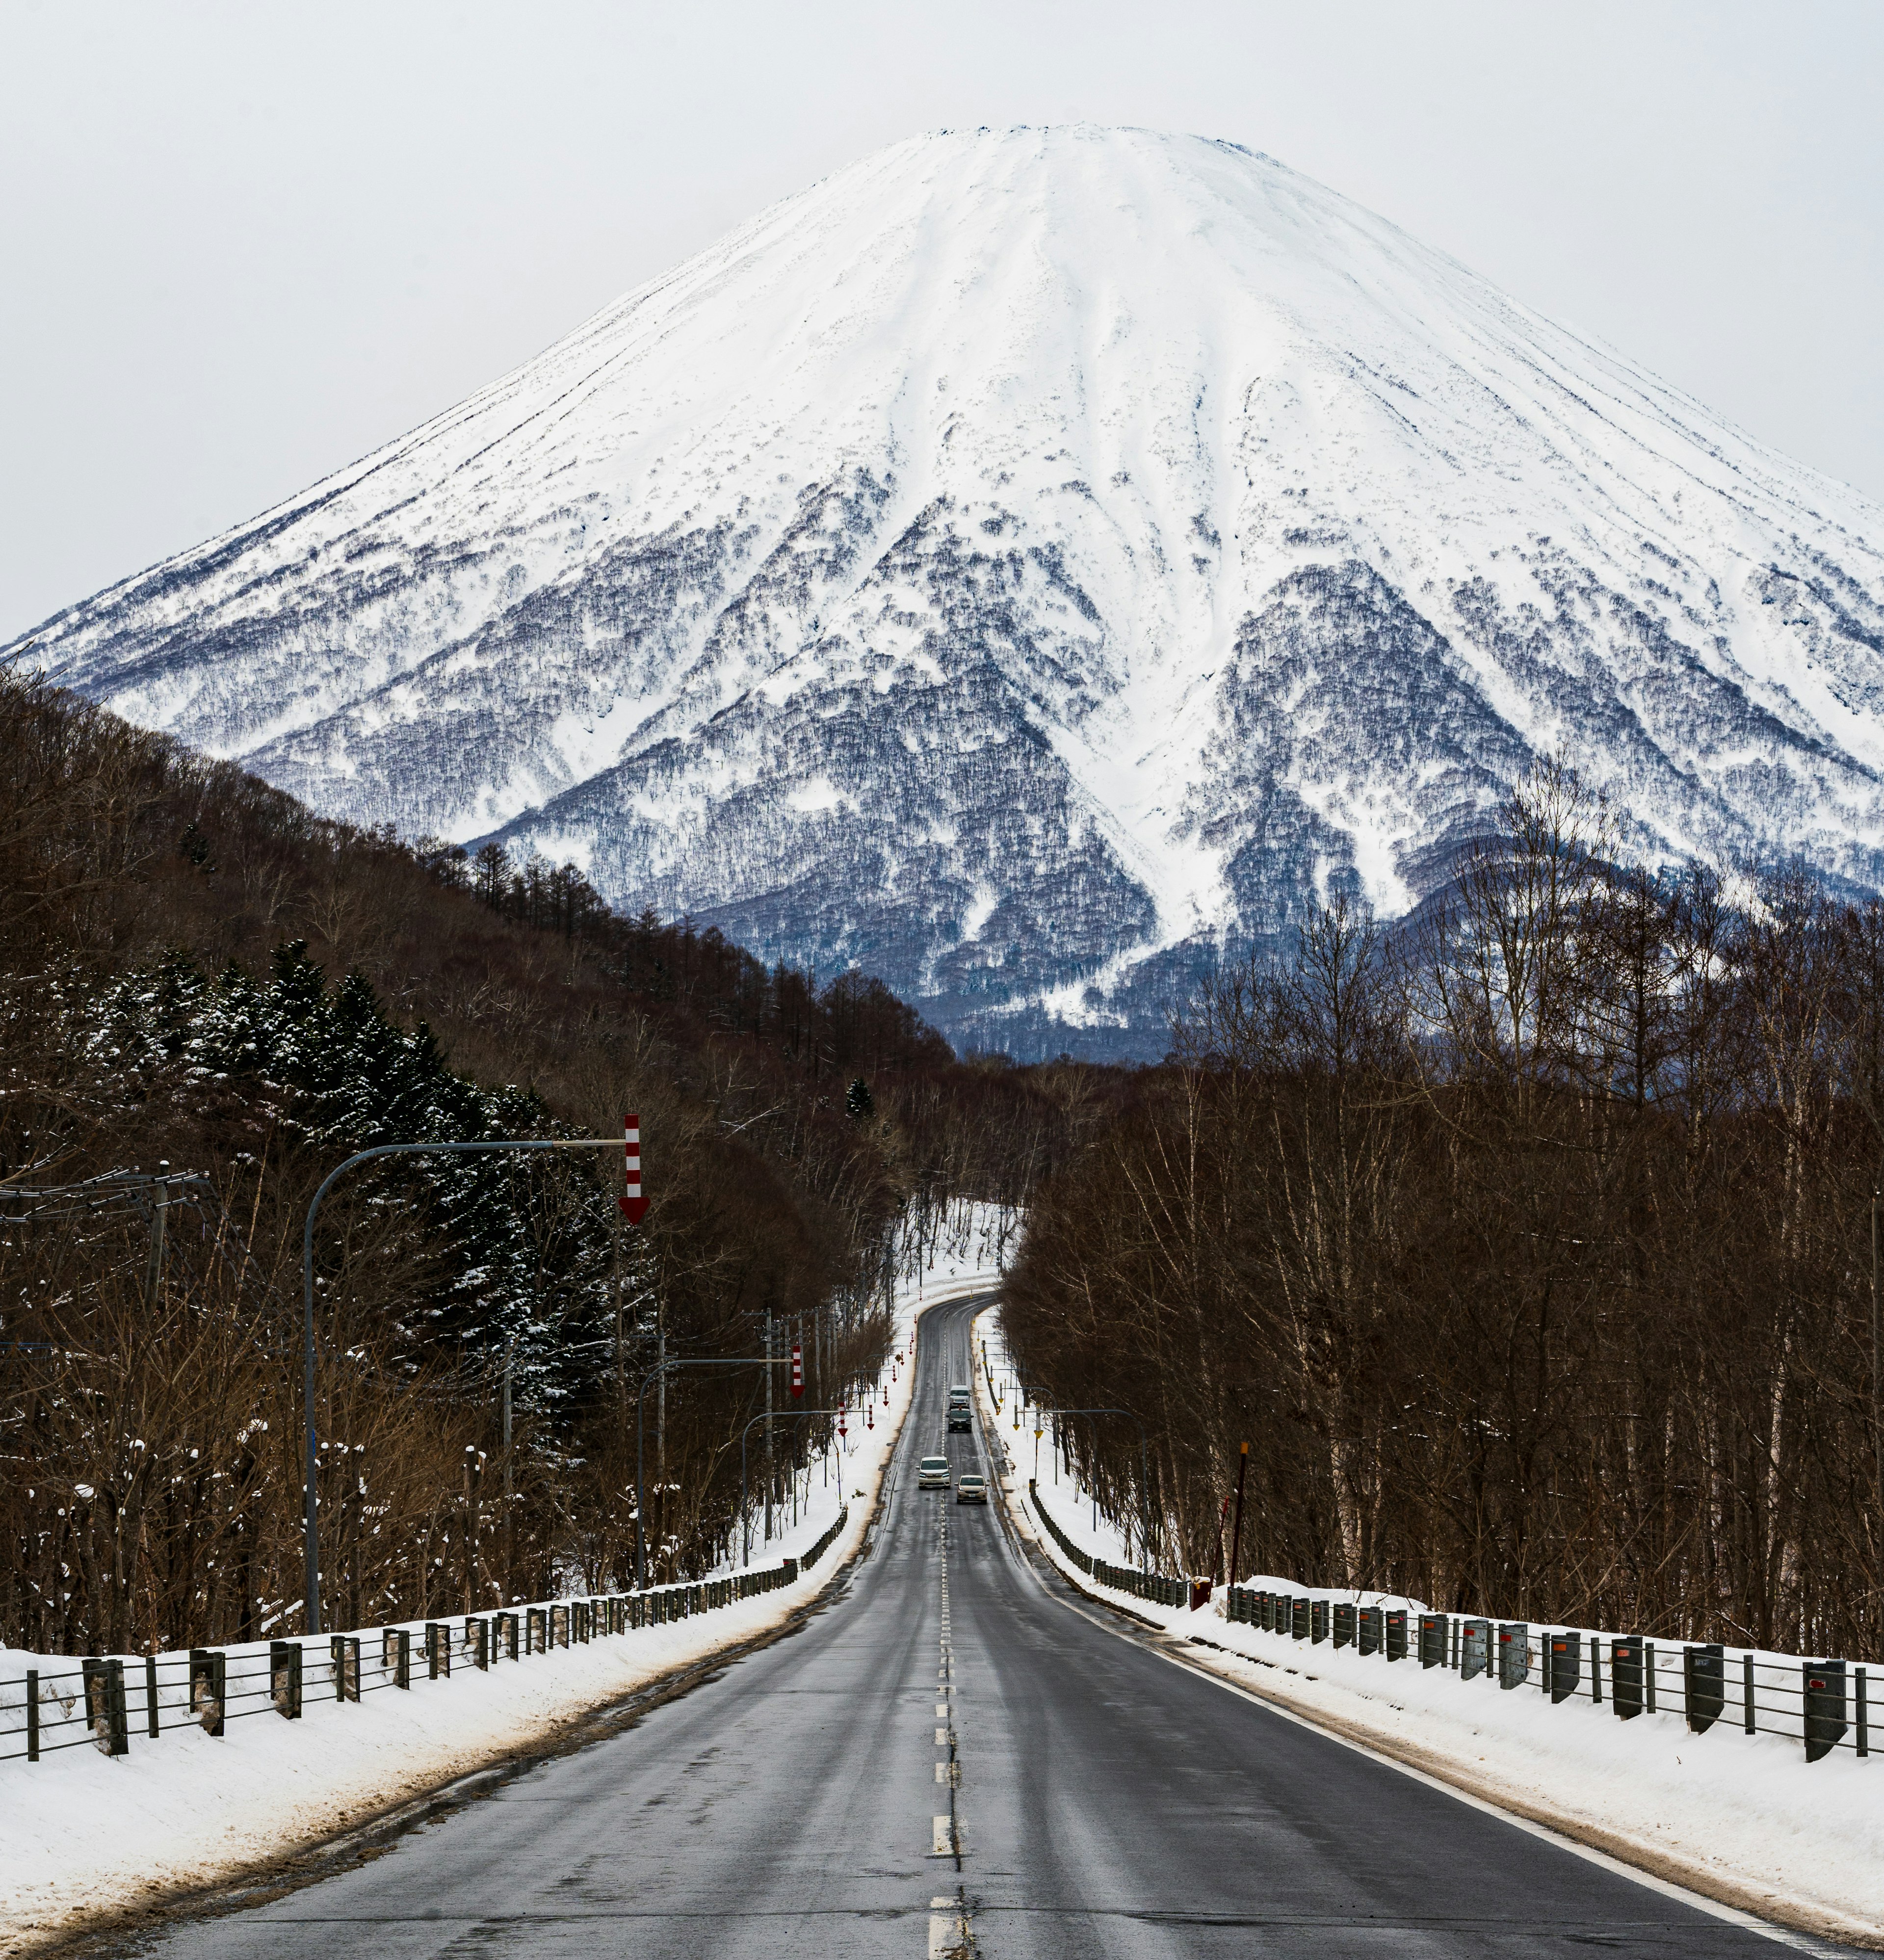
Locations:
{"points": [[1529, 1246], [200, 982]]}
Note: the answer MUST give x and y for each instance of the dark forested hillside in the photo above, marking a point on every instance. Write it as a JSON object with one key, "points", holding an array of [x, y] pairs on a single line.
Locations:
{"points": [[198, 978], [1531, 1250]]}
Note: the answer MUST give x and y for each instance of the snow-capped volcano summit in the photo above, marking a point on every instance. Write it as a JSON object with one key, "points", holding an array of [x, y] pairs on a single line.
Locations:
{"points": [[1025, 560]]}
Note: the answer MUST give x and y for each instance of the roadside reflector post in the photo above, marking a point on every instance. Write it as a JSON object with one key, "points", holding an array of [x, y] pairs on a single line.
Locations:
{"points": [[1435, 1639], [285, 1678], [1625, 1676], [1824, 1708], [1703, 1685], [1514, 1653], [1563, 1664], [208, 1677]]}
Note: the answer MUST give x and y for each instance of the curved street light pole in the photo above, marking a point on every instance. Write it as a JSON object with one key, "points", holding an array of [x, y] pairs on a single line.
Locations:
{"points": [[310, 1540], [745, 1521], [640, 1410]]}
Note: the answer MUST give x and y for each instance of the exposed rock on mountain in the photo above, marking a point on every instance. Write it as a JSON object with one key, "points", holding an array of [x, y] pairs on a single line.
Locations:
{"points": [[1027, 562]]}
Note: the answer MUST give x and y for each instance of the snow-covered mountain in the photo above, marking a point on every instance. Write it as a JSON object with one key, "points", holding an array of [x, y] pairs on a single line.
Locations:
{"points": [[1027, 560]]}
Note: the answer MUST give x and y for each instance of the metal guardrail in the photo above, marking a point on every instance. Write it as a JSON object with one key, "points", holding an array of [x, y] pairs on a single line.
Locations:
{"points": [[1822, 1704], [102, 1700], [1152, 1585]]}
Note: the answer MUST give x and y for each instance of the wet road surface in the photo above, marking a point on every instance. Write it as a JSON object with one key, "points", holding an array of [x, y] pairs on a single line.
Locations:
{"points": [[949, 1758]]}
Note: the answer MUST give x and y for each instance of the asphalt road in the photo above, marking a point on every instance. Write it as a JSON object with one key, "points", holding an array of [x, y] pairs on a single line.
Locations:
{"points": [[1108, 1802]]}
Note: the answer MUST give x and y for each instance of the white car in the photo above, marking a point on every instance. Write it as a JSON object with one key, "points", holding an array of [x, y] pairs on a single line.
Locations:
{"points": [[971, 1489], [931, 1473]]}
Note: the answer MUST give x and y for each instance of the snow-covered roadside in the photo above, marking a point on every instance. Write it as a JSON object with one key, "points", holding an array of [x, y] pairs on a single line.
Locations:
{"points": [[85, 1834], [1743, 1819]]}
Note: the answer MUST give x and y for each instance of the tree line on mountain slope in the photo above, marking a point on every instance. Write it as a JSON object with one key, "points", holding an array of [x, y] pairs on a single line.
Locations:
{"points": [[1529, 1248], [196, 972]]}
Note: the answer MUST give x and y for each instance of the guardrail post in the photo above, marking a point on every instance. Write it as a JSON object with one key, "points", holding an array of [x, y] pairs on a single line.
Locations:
{"points": [[150, 1694], [1474, 1649], [1648, 1675], [1345, 1612], [1746, 1690], [1595, 1668], [105, 1714], [32, 1714], [208, 1681], [1703, 1685], [284, 1678], [1625, 1676], [1396, 1629], [395, 1654], [1514, 1653], [437, 1651], [1823, 1699], [1864, 1742], [1563, 1664], [1434, 1639], [345, 1649]]}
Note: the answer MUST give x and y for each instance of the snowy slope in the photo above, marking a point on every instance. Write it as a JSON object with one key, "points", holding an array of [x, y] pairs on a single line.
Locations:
{"points": [[1026, 559]]}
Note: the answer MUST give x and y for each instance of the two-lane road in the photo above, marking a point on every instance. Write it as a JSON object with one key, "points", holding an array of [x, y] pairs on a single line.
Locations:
{"points": [[1107, 1802]]}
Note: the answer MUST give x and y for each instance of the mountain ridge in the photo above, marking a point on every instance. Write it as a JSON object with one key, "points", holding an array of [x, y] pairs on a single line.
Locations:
{"points": [[1030, 564]]}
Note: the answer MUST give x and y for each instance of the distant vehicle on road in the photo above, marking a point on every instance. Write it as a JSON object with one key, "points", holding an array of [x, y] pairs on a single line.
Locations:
{"points": [[971, 1489], [959, 1419], [931, 1473]]}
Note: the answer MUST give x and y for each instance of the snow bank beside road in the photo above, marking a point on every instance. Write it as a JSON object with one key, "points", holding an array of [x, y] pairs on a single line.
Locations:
{"points": [[87, 1835], [1743, 1819]]}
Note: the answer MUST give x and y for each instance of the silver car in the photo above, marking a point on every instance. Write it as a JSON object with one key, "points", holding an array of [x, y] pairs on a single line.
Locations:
{"points": [[971, 1489], [931, 1473]]}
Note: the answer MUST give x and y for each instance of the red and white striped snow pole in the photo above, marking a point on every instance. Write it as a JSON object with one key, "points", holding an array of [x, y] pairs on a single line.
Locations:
{"points": [[633, 1205]]}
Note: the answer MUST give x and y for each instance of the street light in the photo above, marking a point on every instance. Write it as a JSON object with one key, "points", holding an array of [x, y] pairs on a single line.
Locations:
{"points": [[745, 1520], [640, 1411], [1145, 1468], [311, 1543]]}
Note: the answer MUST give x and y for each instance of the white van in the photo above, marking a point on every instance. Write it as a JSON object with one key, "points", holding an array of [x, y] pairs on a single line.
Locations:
{"points": [[931, 1473]]}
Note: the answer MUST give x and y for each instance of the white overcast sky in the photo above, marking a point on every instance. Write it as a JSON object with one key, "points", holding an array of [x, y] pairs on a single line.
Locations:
{"points": [[240, 245]]}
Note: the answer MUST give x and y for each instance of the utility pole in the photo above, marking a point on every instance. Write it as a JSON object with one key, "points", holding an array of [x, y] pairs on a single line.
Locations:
{"points": [[160, 1206], [620, 1356], [660, 1408], [509, 1513], [470, 1527], [768, 1427], [1877, 1418], [1236, 1533]]}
